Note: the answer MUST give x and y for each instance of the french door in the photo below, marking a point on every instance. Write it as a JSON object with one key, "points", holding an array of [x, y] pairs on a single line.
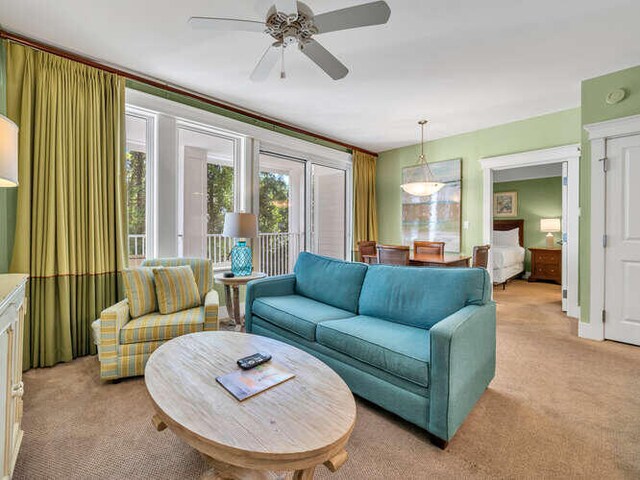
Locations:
{"points": [[328, 211], [282, 212], [209, 189]]}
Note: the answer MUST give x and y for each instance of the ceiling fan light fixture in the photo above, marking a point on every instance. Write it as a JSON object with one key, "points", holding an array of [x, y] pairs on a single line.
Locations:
{"points": [[430, 184]]}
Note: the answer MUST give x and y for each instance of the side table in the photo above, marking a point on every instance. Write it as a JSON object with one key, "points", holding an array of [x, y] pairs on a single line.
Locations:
{"points": [[232, 294]]}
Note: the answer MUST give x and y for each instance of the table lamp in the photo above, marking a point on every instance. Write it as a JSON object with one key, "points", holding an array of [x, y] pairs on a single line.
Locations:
{"points": [[240, 225], [8, 153], [550, 225]]}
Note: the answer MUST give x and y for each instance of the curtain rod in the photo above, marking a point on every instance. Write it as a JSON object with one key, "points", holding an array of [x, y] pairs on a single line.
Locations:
{"points": [[169, 88]]}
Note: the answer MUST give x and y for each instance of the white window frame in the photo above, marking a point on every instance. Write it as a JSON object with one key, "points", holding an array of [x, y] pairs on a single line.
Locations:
{"points": [[150, 178], [253, 140]]}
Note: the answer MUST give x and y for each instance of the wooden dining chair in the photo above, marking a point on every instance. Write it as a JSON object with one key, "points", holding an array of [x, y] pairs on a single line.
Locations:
{"points": [[428, 248], [394, 254], [480, 256], [366, 247]]}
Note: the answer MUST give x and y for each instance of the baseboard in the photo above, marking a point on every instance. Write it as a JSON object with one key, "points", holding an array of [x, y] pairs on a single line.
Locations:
{"points": [[590, 331]]}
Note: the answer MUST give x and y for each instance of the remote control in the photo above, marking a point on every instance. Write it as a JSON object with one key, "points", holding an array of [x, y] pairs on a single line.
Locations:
{"points": [[254, 360]]}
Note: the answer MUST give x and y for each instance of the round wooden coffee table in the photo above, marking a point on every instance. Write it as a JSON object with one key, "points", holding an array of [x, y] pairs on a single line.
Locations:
{"points": [[297, 425]]}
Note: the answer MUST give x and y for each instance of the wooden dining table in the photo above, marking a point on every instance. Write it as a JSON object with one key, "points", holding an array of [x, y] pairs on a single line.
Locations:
{"points": [[429, 260]]}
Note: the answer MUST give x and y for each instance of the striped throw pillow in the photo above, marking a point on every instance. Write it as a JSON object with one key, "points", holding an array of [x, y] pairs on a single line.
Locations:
{"points": [[140, 289], [176, 289]]}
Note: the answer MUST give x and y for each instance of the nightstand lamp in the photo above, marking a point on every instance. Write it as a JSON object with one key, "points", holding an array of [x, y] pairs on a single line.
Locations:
{"points": [[241, 225], [550, 226]]}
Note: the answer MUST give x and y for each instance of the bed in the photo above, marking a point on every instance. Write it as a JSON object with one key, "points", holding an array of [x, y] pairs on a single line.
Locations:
{"points": [[507, 250]]}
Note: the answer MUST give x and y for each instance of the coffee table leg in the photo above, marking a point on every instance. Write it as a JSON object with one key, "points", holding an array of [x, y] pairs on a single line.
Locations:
{"points": [[227, 301], [223, 471], [306, 474]]}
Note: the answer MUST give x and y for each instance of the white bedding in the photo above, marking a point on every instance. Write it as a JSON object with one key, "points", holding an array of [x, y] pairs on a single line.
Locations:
{"points": [[501, 275], [504, 257]]}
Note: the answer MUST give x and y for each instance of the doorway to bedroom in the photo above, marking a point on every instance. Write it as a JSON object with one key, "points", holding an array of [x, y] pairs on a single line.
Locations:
{"points": [[531, 221]]}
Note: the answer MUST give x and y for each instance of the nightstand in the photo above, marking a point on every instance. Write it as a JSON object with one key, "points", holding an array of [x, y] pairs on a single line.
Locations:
{"points": [[546, 265]]}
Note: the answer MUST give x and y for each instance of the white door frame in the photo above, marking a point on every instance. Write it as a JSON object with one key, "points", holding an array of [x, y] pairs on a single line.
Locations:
{"points": [[566, 153], [599, 133]]}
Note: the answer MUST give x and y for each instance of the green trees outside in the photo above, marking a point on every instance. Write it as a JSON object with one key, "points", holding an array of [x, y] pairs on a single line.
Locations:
{"points": [[274, 197], [136, 174], [220, 190], [274, 203]]}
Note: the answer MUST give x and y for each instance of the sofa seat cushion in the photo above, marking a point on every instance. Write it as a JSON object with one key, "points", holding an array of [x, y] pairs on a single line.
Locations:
{"points": [[155, 326], [296, 313], [397, 349]]}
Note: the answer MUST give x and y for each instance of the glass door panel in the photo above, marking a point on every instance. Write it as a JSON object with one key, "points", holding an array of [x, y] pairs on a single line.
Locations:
{"points": [[208, 181], [328, 211], [281, 219]]}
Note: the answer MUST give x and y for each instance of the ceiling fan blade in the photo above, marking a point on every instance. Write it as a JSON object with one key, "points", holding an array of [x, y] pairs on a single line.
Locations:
{"points": [[266, 63], [289, 7], [324, 59], [374, 13], [226, 24]]}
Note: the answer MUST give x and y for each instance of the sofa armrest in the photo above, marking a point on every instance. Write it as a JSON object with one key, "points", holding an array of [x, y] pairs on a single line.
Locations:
{"points": [[267, 287], [112, 320], [211, 303], [463, 363]]}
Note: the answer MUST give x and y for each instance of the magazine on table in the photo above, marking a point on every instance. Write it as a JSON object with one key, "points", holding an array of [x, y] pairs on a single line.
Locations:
{"points": [[244, 384]]}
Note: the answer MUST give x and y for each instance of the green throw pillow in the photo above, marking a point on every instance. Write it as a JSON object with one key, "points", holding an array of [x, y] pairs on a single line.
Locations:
{"points": [[140, 289], [176, 289]]}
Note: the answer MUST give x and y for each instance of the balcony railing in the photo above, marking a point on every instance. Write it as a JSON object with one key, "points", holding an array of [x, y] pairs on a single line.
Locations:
{"points": [[278, 251], [137, 249]]}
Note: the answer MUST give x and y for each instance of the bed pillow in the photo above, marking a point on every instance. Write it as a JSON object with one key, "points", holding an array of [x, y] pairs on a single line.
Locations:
{"points": [[176, 289], [140, 290], [506, 238]]}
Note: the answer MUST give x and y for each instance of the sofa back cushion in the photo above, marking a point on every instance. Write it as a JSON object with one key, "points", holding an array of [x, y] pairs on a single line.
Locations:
{"points": [[202, 270], [327, 280], [421, 297]]}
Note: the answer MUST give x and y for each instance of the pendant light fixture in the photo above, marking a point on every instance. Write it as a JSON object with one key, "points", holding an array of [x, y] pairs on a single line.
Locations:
{"points": [[428, 186]]}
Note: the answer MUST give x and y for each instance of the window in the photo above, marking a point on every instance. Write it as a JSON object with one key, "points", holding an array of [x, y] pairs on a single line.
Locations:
{"points": [[208, 191], [139, 131], [282, 213]]}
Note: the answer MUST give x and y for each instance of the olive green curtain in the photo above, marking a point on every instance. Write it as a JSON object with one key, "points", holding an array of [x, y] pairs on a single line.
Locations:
{"points": [[365, 217], [71, 219]]}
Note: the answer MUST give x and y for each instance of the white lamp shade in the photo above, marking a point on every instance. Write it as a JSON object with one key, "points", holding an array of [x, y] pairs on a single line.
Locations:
{"points": [[240, 225], [550, 225], [8, 153]]}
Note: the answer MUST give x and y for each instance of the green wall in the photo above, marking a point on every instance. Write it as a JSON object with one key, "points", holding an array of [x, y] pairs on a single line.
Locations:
{"points": [[537, 198], [595, 109], [546, 131]]}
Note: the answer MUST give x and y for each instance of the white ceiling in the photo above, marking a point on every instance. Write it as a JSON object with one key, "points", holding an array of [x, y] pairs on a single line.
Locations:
{"points": [[463, 64]]}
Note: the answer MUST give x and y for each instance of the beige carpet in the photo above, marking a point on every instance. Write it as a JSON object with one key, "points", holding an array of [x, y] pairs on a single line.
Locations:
{"points": [[559, 407]]}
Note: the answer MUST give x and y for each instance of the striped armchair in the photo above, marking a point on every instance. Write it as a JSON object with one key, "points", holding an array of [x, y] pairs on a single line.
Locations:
{"points": [[125, 344]]}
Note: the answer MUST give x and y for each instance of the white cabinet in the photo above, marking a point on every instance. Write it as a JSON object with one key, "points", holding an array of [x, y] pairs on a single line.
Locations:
{"points": [[12, 309]]}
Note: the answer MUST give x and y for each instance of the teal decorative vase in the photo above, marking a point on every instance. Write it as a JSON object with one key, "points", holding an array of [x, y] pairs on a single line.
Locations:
{"points": [[241, 264]]}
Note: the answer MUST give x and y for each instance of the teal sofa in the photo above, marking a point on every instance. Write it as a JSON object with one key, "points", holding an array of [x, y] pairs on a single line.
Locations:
{"points": [[419, 342]]}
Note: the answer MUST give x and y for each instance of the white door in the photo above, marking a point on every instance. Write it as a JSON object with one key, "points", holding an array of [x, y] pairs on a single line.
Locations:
{"points": [[328, 211], [194, 212], [565, 257], [622, 253]]}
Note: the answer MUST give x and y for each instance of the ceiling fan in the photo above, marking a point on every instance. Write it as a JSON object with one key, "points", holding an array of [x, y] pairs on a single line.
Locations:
{"points": [[291, 23]]}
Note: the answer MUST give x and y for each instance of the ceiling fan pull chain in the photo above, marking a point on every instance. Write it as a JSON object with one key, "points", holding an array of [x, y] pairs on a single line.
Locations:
{"points": [[283, 74]]}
